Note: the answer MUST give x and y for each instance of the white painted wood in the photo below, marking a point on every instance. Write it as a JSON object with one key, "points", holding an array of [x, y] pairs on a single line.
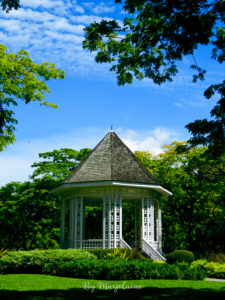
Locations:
{"points": [[121, 218], [152, 221], [147, 219], [159, 226], [81, 221], [68, 186], [109, 221], [103, 222], [142, 220], [115, 216]]}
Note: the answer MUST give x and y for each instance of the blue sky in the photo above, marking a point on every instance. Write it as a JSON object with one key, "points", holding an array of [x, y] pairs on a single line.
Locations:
{"points": [[144, 115]]}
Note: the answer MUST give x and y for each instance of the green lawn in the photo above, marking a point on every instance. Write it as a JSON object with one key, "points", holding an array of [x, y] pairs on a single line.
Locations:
{"points": [[26, 286]]}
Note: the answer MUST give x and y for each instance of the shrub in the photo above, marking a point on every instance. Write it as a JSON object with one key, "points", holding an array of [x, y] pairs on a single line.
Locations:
{"points": [[107, 253], [180, 256], [215, 270], [128, 254], [118, 269], [212, 269], [199, 263], [33, 261], [3, 253]]}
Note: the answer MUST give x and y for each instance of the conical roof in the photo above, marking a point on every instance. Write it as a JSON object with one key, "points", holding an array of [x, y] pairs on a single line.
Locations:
{"points": [[111, 160]]}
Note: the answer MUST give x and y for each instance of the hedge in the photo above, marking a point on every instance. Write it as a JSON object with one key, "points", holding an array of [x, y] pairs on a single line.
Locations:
{"points": [[180, 256], [212, 269], [118, 253], [61, 264], [33, 261], [120, 269]]}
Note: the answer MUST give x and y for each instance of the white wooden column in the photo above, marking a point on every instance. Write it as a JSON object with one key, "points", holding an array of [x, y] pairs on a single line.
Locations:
{"points": [[121, 219], [76, 221], [104, 220], [115, 219], [156, 219], [147, 220], [143, 227], [62, 223], [109, 221], [81, 221], [152, 229], [112, 219], [159, 226]]}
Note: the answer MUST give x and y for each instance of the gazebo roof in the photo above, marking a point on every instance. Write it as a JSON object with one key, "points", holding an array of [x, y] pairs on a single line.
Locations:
{"points": [[111, 160]]}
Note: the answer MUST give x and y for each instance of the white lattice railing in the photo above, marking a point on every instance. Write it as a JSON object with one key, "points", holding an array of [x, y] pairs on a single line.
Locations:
{"points": [[147, 249], [123, 244], [92, 244], [98, 244]]}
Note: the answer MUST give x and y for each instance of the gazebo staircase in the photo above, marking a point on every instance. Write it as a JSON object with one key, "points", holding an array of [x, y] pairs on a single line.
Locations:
{"points": [[146, 249]]}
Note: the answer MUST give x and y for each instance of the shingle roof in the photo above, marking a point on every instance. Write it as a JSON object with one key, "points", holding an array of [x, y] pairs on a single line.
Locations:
{"points": [[110, 160]]}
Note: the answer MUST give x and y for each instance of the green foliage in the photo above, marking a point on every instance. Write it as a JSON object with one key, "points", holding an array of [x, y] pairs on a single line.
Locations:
{"points": [[3, 253], [21, 78], [180, 256], [121, 269], [58, 164], [81, 264], [106, 253], [193, 217], [212, 269], [151, 42], [7, 5], [199, 263], [117, 253], [35, 260], [29, 213], [29, 216]]}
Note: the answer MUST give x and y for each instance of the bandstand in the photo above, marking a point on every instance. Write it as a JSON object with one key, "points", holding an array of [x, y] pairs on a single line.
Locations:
{"points": [[110, 175]]}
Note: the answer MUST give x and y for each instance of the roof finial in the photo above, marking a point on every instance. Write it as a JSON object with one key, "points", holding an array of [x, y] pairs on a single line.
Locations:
{"points": [[111, 128]]}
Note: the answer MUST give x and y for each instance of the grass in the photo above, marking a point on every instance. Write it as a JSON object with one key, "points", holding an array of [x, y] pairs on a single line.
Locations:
{"points": [[27, 286]]}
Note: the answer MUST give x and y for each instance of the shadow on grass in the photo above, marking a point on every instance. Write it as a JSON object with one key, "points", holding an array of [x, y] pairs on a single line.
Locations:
{"points": [[144, 293]]}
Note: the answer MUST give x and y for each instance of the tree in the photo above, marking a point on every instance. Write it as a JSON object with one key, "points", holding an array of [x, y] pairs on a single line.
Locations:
{"points": [[159, 34], [29, 216], [58, 164], [7, 5], [29, 213], [20, 79], [193, 217]]}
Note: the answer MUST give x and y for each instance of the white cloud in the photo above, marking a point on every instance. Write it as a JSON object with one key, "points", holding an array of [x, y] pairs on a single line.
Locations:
{"points": [[101, 8], [87, 19], [17, 159], [178, 104], [151, 141], [42, 3]]}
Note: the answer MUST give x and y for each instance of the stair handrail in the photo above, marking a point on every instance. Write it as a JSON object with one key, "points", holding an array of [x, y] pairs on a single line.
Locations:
{"points": [[151, 251]]}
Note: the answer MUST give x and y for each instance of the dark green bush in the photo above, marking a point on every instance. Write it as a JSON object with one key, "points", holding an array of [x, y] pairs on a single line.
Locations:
{"points": [[121, 269], [103, 253], [212, 269], [119, 253], [34, 260], [82, 264], [180, 256]]}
